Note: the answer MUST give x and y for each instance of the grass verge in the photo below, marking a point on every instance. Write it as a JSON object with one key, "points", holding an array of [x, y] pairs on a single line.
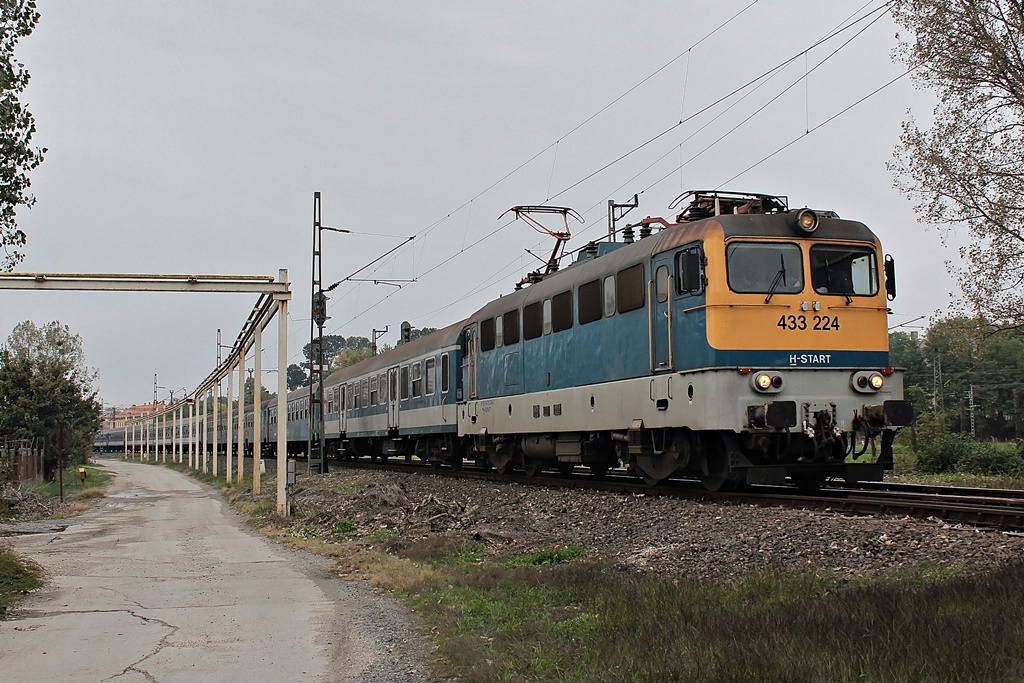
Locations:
{"points": [[18, 575], [553, 614]]}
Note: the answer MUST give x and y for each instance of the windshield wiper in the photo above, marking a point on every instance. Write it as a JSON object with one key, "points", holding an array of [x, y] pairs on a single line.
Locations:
{"points": [[780, 278]]}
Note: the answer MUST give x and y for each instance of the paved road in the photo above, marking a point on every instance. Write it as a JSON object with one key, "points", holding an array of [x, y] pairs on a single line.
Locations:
{"points": [[161, 583]]}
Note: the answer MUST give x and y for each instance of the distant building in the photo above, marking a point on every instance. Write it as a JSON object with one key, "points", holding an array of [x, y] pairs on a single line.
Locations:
{"points": [[120, 417]]}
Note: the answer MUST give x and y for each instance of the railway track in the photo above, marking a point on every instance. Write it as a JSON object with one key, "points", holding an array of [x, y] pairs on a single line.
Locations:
{"points": [[996, 508]]}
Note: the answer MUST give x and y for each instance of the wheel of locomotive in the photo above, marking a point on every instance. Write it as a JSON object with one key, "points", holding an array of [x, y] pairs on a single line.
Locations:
{"points": [[501, 460], [566, 468], [599, 471], [717, 476], [531, 467], [658, 467]]}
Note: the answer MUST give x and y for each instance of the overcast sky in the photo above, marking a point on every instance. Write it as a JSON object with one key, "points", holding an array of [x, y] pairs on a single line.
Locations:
{"points": [[189, 137]]}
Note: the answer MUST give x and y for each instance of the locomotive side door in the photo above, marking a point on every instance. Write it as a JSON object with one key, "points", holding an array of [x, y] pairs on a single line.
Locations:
{"points": [[660, 303], [393, 398]]}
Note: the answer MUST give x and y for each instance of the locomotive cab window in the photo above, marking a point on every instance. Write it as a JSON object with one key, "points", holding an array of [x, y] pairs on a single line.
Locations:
{"points": [[764, 268], [849, 271], [690, 271]]}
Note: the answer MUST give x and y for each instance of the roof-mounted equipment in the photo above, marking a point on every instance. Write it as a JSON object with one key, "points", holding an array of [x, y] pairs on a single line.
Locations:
{"points": [[561, 237], [707, 203]]}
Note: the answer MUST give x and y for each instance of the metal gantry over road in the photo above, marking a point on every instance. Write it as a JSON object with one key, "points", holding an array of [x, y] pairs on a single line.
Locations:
{"points": [[140, 434]]}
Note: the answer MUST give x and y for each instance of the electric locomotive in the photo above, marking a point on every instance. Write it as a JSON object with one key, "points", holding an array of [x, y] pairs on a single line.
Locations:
{"points": [[741, 343]]}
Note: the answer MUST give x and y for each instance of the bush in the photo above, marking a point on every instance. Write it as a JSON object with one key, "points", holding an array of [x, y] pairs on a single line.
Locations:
{"points": [[939, 451], [987, 458], [943, 452]]}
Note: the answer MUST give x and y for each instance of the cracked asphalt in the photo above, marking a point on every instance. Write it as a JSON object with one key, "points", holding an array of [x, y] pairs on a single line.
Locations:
{"points": [[162, 583]]}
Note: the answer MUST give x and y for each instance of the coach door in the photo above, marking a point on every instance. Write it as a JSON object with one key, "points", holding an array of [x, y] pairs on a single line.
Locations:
{"points": [[660, 295], [469, 362], [393, 397], [342, 412]]}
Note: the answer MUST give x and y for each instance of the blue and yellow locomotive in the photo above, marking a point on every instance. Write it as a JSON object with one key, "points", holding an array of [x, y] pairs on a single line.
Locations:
{"points": [[742, 343]]}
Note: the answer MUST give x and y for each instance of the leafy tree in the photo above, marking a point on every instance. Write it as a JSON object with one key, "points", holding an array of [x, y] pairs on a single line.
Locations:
{"points": [[968, 168], [17, 157], [44, 382], [247, 392], [333, 345], [905, 351], [351, 356], [417, 332], [297, 377]]}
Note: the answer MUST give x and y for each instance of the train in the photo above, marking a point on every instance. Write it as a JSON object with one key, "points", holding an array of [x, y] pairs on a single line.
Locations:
{"points": [[740, 342]]}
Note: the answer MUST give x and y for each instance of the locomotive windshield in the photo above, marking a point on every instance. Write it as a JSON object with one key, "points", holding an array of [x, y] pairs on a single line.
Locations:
{"points": [[838, 269], [764, 268]]}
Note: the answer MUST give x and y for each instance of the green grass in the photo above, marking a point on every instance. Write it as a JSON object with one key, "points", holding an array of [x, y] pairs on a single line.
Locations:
{"points": [[905, 470], [18, 575], [95, 479], [585, 622]]}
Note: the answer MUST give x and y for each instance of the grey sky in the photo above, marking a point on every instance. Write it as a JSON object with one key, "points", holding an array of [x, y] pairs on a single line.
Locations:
{"points": [[190, 136]]}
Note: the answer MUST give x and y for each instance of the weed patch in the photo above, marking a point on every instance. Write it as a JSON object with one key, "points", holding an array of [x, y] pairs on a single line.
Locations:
{"points": [[18, 575]]}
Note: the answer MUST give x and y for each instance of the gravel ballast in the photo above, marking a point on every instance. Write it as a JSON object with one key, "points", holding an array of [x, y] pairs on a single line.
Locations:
{"points": [[641, 533]]}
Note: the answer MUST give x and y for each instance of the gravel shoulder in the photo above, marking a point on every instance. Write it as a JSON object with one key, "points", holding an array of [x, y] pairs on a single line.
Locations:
{"points": [[637, 533]]}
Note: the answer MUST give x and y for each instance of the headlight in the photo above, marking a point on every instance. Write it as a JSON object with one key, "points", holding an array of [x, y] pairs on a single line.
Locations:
{"points": [[806, 221], [867, 381], [767, 382]]}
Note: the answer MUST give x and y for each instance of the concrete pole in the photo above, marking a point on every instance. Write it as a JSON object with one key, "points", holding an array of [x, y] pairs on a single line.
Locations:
{"points": [[176, 434], [229, 438], [216, 424], [163, 438], [282, 401], [205, 430], [257, 394], [124, 454], [144, 455], [191, 434], [240, 469]]}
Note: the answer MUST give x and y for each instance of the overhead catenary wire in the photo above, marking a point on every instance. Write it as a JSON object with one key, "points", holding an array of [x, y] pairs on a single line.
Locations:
{"points": [[876, 13]]}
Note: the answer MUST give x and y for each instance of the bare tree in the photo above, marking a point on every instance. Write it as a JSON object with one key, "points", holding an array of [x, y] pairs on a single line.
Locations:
{"points": [[17, 157], [967, 169]]}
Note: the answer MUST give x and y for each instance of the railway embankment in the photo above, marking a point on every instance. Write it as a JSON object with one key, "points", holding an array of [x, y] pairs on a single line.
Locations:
{"points": [[517, 582]]}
